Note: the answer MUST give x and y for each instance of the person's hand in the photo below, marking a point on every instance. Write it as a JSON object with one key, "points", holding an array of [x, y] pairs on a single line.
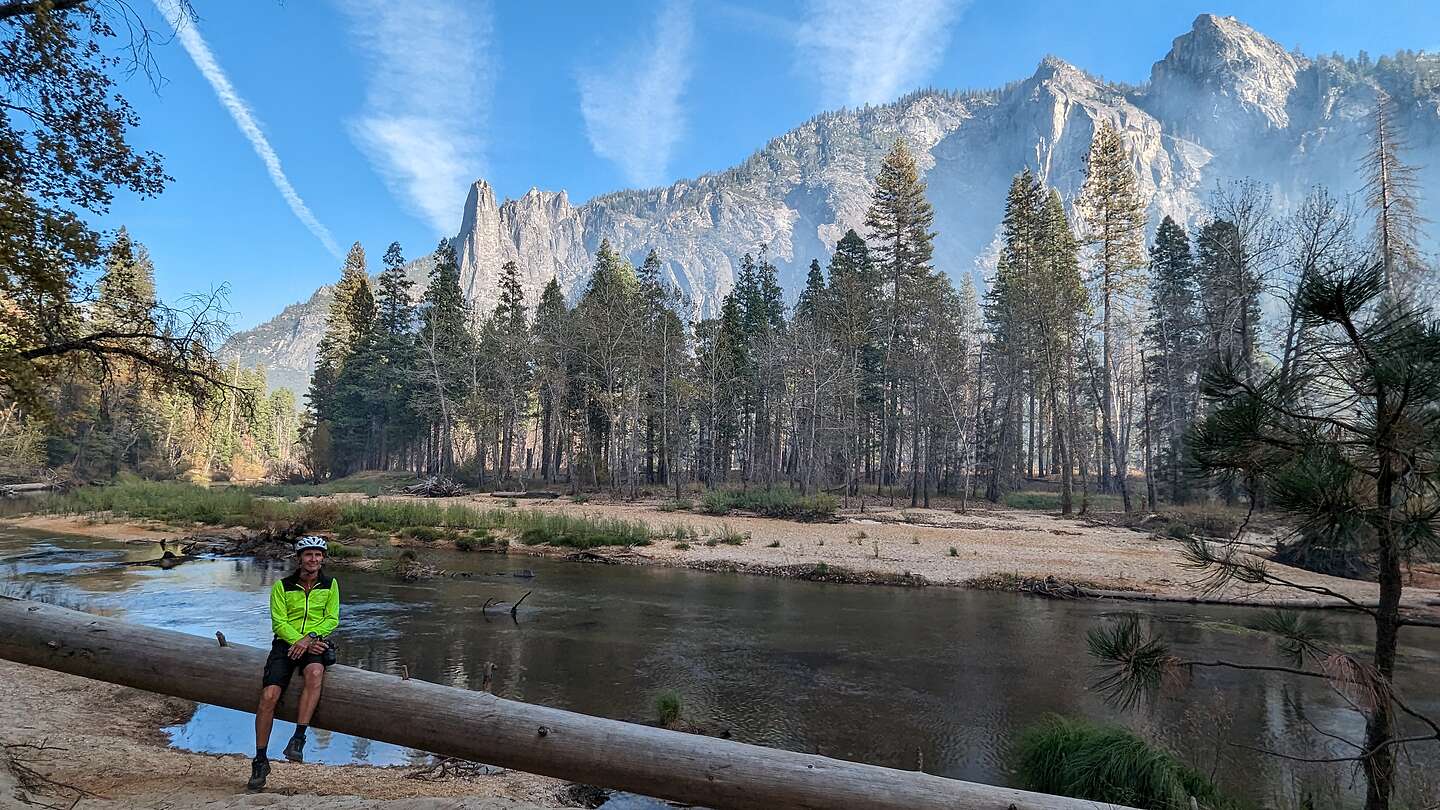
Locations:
{"points": [[299, 648], [318, 646]]}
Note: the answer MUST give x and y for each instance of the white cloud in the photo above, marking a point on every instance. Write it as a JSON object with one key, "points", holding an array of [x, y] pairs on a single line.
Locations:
{"points": [[429, 84], [871, 53], [194, 44], [632, 108]]}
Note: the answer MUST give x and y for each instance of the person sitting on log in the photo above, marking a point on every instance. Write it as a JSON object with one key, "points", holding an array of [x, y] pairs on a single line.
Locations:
{"points": [[304, 611]]}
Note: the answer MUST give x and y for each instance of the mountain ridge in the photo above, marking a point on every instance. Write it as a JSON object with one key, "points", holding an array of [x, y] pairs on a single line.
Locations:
{"points": [[1225, 102]]}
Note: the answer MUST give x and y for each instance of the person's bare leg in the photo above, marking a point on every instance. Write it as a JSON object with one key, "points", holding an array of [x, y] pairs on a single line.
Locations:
{"points": [[265, 716], [310, 697], [264, 719]]}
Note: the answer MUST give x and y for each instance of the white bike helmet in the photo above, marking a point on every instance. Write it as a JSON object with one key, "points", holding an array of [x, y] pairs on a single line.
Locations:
{"points": [[310, 541]]}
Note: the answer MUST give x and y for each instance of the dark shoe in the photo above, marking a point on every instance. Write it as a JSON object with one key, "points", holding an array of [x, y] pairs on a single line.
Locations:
{"points": [[259, 769], [295, 749]]}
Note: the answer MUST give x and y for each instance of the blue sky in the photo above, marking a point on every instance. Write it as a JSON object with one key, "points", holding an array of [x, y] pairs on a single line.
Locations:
{"points": [[373, 116]]}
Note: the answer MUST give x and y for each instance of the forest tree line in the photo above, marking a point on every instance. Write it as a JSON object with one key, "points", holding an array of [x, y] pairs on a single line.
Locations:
{"points": [[1082, 364]]}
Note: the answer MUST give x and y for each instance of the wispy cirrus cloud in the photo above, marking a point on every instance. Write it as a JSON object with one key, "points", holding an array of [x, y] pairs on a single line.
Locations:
{"points": [[871, 53], [194, 45], [429, 83], [632, 109]]}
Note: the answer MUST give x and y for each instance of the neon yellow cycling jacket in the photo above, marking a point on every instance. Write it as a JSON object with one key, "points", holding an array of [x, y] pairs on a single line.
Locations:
{"points": [[294, 611]]}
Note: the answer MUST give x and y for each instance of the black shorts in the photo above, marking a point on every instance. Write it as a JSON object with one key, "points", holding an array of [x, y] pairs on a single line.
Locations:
{"points": [[279, 666]]}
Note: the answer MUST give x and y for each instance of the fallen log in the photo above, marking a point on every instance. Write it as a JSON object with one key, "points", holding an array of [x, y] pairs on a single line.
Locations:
{"points": [[480, 727], [9, 490]]}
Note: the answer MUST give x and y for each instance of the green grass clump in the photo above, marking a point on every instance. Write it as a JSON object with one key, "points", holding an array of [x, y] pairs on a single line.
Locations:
{"points": [[730, 537], [165, 501], [954, 552], [682, 546], [535, 527], [1108, 764], [681, 505], [340, 551], [778, 502], [668, 708]]}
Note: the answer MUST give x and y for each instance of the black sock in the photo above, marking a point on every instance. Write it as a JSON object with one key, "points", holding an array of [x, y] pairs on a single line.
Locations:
{"points": [[300, 732], [260, 753]]}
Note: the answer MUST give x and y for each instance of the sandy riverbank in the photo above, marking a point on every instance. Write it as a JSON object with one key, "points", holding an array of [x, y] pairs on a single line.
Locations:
{"points": [[107, 740], [990, 545], [985, 547]]}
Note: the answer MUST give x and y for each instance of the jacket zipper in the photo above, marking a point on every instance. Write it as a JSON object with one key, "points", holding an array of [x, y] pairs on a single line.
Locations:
{"points": [[305, 617]]}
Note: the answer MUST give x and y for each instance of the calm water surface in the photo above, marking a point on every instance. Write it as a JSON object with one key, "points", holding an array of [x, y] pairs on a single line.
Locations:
{"points": [[891, 676]]}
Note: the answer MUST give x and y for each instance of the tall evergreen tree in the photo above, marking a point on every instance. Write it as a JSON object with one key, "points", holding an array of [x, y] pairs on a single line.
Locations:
{"points": [[899, 219], [395, 357], [513, 361], [854, 293], [337, 342], [1174, 342], [1012, 331], [1114, 228], [553, 362], [445, 346]]}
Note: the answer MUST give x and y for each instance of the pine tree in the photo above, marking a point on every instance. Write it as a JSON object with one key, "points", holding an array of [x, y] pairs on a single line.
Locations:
{"points": [[354, 361], [337, 342], [553, 361], [608, 334], [1174, 343], [512, 362], [1114, 220], [899, 219], [1354, 470], [1057, 304], [446, 348], [1012, 331], [854, 293], [396, 356]]}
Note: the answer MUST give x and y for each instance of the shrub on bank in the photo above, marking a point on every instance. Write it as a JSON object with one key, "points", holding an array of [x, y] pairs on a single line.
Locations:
{"points": [[1082, 760]]}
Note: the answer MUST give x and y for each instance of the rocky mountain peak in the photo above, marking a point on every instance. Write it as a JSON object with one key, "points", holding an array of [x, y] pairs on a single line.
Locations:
{"points": [[1054, 69], [1245, 76]]}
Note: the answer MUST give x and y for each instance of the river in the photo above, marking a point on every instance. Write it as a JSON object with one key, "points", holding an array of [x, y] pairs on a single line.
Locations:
{"points": [[939, 678]]}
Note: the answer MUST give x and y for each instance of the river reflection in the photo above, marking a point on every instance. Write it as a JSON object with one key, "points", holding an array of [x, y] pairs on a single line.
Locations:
{"points": [[899, 677]]}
